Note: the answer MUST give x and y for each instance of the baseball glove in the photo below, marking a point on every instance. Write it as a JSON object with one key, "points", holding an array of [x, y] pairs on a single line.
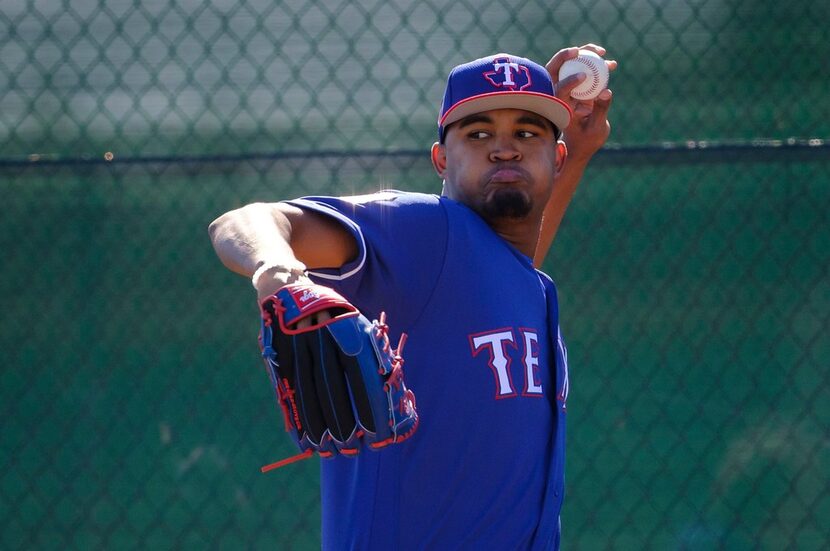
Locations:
{"points": [[338, 381]]}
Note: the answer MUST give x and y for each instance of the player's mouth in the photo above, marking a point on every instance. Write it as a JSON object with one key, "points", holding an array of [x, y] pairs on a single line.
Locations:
{"points": [[507, 175]]}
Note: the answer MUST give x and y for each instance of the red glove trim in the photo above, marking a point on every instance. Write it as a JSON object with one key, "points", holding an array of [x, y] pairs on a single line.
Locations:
{"points": [[299, 301]]}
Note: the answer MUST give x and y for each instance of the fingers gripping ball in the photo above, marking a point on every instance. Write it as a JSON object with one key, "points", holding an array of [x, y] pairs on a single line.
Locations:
{"points": [[595, 70], [337, 379]]}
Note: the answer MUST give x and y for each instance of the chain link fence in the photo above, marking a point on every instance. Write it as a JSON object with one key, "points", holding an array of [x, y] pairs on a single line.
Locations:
{"points": [[692, 266]]}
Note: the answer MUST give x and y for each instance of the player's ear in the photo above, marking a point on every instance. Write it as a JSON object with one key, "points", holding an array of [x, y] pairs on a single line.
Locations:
{"points": [[561, 155], [439, 158]]}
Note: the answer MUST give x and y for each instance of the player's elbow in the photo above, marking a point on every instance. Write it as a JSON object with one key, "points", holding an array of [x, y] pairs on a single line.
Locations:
{"points": [[213, 228], [232, 221], [218, 227]]}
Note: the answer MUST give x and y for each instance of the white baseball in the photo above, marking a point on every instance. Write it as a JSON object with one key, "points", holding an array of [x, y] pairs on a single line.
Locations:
{"points": [[592, 65]]}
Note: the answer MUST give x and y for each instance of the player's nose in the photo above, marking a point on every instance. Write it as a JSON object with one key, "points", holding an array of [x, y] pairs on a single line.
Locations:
{"points": [[504, 149]]}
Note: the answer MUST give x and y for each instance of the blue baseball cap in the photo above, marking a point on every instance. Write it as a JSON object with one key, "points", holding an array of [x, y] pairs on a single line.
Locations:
{"points": [[501, 81]]}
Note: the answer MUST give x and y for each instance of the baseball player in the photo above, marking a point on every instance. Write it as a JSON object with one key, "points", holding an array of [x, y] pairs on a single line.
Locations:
{"points": [[455, 272]]}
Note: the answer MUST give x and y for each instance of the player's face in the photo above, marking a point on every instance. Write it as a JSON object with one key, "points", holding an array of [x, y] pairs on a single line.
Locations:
{"points": [[500, 163]]}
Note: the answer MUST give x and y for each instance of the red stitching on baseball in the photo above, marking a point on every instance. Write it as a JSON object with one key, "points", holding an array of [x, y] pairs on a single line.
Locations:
{"points": [[594, 71]]}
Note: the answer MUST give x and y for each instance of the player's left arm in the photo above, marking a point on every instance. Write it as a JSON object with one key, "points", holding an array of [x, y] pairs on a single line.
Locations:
{"points": [[588, 131]]}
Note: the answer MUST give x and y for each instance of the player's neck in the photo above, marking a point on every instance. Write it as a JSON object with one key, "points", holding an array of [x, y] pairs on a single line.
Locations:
{"points": [[523, 234]]}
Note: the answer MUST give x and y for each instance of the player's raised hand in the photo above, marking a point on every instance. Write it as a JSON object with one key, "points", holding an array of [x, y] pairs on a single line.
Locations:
{"points": [[589, 128], [581, 108]]}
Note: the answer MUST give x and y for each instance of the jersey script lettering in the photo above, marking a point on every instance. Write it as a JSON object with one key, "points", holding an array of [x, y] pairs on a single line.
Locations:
{"points": [[496, 343]]}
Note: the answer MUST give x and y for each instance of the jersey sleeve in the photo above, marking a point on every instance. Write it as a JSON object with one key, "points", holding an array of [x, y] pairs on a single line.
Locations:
{"points": [[401, 240]]}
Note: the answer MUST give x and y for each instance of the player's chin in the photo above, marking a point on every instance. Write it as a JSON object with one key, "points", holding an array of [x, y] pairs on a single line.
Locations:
{"points": [[507, 202]]}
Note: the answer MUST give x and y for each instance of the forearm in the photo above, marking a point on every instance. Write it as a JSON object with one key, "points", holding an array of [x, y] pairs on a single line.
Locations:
{"points": [[563, 189], [247, 237]]}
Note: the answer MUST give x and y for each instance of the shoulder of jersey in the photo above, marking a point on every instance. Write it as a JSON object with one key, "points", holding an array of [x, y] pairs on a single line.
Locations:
{"points": [[392, 196]]}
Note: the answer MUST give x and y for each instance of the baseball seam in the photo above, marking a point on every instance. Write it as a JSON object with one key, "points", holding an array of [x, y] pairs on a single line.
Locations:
{"points": [[594, 73]]}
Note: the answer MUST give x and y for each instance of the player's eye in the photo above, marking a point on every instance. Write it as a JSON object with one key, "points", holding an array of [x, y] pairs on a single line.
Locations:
{"points": [[478, 135], [526, 134]]}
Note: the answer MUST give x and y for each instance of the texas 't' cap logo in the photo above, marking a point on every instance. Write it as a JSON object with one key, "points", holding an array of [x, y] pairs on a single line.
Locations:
{"points": [[508, 74]]}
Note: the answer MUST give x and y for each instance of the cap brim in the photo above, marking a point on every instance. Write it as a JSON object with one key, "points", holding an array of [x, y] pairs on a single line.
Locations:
{"points": [[552, 108]]}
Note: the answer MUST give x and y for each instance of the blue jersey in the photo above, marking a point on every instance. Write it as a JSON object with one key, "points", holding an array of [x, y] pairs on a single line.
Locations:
{"points": [[486, 362]]}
